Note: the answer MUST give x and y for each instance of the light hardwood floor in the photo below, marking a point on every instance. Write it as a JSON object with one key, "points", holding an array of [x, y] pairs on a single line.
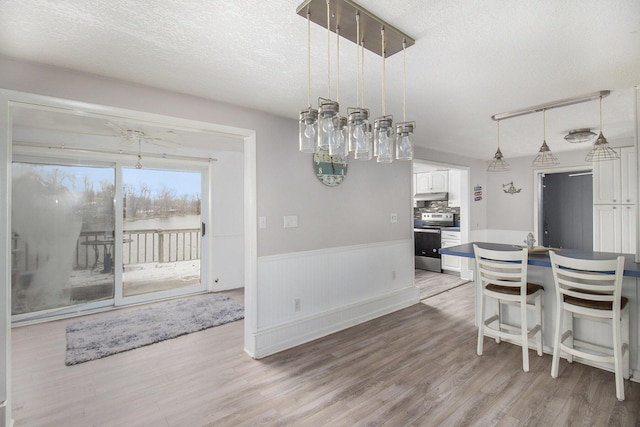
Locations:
{"points": [[430, 283], [415, 367]]}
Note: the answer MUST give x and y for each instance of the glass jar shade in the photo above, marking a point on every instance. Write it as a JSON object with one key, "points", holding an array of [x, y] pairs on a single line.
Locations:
{"points": [[358, 121], [307, 130], [341, 138], [383, 139], [328, 123], [404, 140], [364, 150]]}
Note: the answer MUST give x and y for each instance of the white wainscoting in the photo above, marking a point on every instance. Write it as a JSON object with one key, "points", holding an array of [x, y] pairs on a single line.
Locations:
{"points": [[335, 288]]}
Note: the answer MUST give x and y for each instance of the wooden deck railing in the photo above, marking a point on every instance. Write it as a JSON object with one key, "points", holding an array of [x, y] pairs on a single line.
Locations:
{"points": [[143, 246]]}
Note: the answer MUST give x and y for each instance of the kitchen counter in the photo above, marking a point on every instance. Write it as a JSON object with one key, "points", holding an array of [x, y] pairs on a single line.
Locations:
{"points": [[539, 272], [450, 228], [631, 267]]}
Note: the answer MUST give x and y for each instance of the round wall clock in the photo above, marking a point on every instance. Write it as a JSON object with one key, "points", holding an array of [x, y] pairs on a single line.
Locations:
{"points": [[330, 170]]}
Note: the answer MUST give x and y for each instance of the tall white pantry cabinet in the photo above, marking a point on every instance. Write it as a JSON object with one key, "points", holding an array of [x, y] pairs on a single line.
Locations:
{"points": [[614, 203]]}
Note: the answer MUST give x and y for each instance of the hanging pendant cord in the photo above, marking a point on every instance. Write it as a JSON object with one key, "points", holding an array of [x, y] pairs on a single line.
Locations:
{"points": [[498, 134], [600, 114], [362, 76], [337, 64], [328, 51], [384, 75], [309, 58], [404, 80], [358, 58], [544, 125]]}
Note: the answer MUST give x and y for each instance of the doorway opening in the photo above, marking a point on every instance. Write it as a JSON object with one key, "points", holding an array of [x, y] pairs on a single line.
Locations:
{"points": [[565, 209]]}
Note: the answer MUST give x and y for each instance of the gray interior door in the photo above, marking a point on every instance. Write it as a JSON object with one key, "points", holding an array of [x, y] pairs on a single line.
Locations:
{"points": [[567, 210]]}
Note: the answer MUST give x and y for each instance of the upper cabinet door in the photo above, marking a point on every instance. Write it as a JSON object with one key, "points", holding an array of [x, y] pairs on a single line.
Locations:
{"points": [[606, 182], [628, 175], [454, 188], [615, 181], [423, 182], [440, 181]]}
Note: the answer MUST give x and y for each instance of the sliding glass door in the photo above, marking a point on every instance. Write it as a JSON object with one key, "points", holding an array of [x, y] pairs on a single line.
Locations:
{"points": [[62, 235], [162, 232], [70, 252]]}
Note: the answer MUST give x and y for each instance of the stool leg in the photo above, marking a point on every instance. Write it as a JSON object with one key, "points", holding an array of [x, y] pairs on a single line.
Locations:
{"points": [[570, 337], [624, 331], [524, 334], [617, 356], [539, 322], [499, 313], [481, 324], [556, 340]]}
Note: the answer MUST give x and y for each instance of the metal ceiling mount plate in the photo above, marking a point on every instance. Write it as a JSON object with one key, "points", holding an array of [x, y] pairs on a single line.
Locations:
{"points": [[343, 14], [550, 105]]}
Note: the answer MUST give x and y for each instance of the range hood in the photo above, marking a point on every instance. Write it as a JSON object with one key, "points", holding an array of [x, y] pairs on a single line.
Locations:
{"points": [[430, 197]]}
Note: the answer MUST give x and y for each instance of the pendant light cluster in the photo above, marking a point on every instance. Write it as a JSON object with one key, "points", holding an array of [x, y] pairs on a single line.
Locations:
{"points": [[601, 150], [325, 130]]}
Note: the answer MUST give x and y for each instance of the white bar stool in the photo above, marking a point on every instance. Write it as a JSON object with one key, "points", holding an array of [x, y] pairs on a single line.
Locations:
{"points": [[502, 275], [591, 289]]}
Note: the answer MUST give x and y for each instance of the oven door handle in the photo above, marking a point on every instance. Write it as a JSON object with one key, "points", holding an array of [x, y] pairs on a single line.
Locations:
{"points": [[426, 230]]}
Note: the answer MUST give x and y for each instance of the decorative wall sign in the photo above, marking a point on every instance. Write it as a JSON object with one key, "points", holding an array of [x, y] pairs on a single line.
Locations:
{"points": [[510, 189], [477, 193], [330, 170]]}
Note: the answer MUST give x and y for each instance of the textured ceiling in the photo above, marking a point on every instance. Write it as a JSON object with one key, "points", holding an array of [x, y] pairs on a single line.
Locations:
{"points": [[472, 59]]}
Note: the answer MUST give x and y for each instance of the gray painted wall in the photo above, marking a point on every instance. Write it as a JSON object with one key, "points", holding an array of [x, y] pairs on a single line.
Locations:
{"points": [[356, 212]]}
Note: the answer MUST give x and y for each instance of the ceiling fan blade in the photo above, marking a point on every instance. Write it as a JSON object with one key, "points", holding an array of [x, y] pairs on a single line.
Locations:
{"points": [[163, 142]]}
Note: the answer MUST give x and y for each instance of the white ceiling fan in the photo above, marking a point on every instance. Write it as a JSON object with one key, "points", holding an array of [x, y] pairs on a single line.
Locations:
{"points": [[137, 137]]}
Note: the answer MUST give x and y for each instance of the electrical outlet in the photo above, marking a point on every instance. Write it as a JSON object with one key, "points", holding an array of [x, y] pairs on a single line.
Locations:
{"points": [[296, 304]]}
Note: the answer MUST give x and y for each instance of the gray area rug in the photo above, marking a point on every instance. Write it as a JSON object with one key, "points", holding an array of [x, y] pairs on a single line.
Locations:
{"points": [[110, 334]]}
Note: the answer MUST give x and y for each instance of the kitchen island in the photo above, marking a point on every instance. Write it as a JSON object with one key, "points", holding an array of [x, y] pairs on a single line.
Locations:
{"points": [[539, 272]]}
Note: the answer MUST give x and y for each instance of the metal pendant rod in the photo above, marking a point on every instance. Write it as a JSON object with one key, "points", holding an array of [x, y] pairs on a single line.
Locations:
{"points": [[343, 12], [550, 105]]}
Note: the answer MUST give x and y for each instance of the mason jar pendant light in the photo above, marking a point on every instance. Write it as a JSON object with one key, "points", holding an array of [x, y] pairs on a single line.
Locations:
{"points": [[404, 130], [324, 130], [328, 117], [358, 117], [383, 126], [340, 147], [309, 116]]}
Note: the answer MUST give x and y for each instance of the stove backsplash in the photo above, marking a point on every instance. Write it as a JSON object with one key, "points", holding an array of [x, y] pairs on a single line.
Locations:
{"points": [[440, 206]]}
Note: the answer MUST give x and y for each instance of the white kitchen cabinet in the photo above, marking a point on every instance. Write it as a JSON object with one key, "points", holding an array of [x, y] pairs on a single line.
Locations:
{"points": [[440, 181], [454, 188], [615, 181], [614, 228], [432, 182], [448, 262], [423, 182], [628, 175]]}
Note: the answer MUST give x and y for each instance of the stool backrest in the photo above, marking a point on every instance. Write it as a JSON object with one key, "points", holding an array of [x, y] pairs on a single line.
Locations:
{"points": [[502, 268], [599, 281]]}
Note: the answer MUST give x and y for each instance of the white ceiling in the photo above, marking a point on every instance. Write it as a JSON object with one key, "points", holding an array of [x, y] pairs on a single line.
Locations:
{"points": [[472, 59]]}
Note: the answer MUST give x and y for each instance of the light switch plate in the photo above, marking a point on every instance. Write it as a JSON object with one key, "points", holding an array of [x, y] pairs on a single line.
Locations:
{"points": [[262, 222], [394, 217], [290, 221]]}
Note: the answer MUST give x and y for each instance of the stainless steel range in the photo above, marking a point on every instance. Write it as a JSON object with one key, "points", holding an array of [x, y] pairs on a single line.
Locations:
{"points": [[427, 242]]}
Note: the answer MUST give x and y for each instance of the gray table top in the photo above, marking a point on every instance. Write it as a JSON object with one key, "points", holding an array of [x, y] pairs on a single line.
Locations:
{"points": [[631, 267]]}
